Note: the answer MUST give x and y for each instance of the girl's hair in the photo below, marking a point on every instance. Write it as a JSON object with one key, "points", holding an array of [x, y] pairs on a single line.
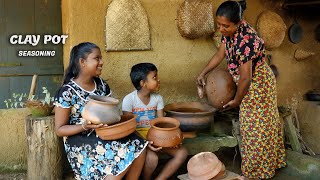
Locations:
{"points": [[232, 10], [81, 50], [140, 72]]}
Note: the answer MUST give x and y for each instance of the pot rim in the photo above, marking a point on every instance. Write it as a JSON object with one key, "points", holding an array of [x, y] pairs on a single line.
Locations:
{"points": [[212, 109], [103, 99], [173, 121], [133, 117]]}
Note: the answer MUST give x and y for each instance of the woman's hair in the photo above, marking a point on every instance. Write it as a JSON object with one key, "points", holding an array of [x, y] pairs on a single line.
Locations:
{"points": [[81, 50], [140, 72], [232, 10]]}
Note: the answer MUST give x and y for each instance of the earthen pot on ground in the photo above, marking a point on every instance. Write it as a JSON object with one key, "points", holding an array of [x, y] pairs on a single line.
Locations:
{"points": [[193, 116], [165, 132], [204, 166], [101, 110], [220, 88], [126, 126]]}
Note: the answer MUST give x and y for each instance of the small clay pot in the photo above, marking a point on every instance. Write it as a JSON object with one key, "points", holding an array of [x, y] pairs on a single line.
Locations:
{"points": [[38, 109], [204, 165], [101, 110], [126, 126], [193, 116], [165, 132], [220, 88]]}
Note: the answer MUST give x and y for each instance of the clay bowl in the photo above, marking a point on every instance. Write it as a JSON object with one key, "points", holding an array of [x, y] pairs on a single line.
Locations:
{"points": [[219, 88], [165, 132], [204, 165], [126, 126], [193, 116], [101, 110]]}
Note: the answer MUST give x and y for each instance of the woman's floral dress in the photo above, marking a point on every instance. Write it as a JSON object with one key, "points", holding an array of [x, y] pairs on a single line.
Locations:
{"points": [[262, 148], [89, 156]]}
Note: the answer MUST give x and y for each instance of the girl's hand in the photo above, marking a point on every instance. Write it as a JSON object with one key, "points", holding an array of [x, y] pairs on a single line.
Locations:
{"points": [[231, 104], [201, 80], [86, 125], [153, 148]]}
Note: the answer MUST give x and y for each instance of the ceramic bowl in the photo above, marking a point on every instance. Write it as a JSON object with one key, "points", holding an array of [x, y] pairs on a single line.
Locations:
{"points": [[126, 126], [192, 116]]}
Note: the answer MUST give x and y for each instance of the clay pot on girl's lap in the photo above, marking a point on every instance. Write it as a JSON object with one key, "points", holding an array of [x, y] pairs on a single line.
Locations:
{"points": [[165, 132], [101, 110]]}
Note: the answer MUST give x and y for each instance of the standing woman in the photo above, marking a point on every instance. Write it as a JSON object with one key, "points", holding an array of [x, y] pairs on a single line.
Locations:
{"points": [[262, 148], [89, 156]]}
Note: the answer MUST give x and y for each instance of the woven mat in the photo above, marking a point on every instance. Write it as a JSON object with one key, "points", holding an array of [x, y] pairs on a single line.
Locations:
{"points": [[271, 29], [127, 26], [195, 18]]}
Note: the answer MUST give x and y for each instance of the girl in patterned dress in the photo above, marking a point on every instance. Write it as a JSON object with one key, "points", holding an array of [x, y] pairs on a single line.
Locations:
{"points": [[262, 148], [89, 156]]}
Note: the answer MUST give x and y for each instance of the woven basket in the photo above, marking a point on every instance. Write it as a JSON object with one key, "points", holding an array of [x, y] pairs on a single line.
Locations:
{"points": [[271, 29], [127, 26], [195, 19]]}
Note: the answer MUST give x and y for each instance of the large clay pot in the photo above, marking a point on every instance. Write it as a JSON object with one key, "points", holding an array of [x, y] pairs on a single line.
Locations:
{"points": [[165, 132], [101, 110], [192, 116], [126, 126], [204, 165], [220, 88]]}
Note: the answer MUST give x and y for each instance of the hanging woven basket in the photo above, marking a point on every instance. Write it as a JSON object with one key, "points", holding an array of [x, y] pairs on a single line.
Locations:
{"points": [[271, 29], [127, 26], [195, 19]]}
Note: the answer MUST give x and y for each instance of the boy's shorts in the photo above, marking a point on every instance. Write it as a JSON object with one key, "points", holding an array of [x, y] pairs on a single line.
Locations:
{"points": [[143, 132]]}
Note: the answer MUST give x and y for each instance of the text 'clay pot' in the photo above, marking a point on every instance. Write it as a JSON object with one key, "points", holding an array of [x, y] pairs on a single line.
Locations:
{"points": [[165, 132], [101, 110], [126, 126], [192, 116], [204, 165], [220, 88]]}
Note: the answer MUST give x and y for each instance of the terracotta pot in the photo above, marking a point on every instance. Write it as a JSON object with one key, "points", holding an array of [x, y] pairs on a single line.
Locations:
{"points": [[193, 116], [203, 166], [126, 126], [220, 88], [165, 132], [101, 109]]}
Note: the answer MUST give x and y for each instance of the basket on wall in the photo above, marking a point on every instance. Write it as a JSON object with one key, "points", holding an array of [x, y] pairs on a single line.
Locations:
{"points": [[195, 19], [271, 29], [127, 26]]}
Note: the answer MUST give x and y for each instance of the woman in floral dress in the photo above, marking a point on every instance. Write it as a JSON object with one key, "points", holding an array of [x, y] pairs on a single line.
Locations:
{"points": [[89, 156], [262, 148]]}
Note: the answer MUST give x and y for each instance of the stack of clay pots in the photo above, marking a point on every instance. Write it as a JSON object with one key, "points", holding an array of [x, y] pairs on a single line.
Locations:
{"points": [[205, 166]]}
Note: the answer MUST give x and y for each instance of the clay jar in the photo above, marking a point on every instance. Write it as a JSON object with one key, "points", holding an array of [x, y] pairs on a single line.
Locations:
{"points": [[165, 132], [101, 110], [220, 88], [193, 116], [204, 165], [126, 126]]}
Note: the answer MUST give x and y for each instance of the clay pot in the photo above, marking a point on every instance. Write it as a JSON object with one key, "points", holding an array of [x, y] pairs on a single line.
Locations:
{"points": [[38, 109], [220, 88], [126, 126], [313, 95], [165, 132], [101, 109], [203, 166], [192, 116]]}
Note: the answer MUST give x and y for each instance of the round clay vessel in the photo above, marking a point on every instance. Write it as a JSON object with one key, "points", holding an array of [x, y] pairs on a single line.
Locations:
{"points": [[126, 126], [101, 110], [193, 116], [220, 88], [165, 132], [204, 165]]}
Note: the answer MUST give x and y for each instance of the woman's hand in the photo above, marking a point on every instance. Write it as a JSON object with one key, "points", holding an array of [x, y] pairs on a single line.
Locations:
{"points": [[231, 104], [201, 80], [153, 148], [86, 125]]}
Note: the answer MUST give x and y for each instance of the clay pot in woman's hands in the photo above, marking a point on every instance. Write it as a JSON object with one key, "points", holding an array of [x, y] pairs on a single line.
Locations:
{"points": [[220, 88], [101, 110], [165, 132]]}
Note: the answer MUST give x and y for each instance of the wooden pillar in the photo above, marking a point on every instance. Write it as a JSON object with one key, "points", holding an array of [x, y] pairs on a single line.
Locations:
{"points": [[45, 149]]}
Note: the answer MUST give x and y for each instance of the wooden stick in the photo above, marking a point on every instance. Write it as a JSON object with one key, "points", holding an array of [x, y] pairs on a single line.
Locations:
{"points": [[33, 85]]}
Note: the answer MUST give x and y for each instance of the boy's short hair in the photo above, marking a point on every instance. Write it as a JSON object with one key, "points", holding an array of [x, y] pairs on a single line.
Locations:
{"points": [[139, 72]]}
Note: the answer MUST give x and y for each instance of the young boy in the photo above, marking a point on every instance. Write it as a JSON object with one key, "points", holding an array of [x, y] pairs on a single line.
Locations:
{"points": [[147, 104]]}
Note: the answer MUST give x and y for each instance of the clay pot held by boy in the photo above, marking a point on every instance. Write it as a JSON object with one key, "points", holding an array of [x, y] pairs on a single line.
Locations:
{"points": [[101, 110], [165, 132]]}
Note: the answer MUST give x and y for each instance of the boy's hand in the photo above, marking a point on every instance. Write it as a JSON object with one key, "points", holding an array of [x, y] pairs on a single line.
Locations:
{"points": [[153, 148]]}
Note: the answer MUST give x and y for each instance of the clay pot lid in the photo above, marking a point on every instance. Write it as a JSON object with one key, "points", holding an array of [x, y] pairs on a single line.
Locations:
{"points": [[204, 164]]}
